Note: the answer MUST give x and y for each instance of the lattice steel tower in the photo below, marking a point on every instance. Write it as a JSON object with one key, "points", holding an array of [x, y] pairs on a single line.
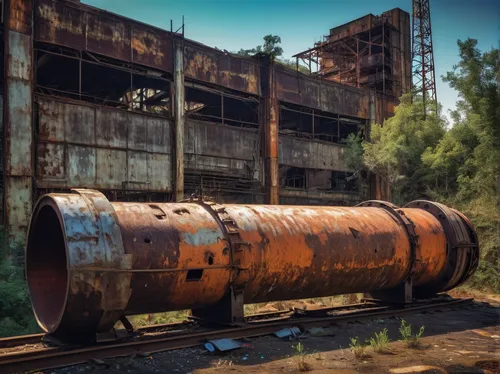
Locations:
{"points": [[423, 75]]}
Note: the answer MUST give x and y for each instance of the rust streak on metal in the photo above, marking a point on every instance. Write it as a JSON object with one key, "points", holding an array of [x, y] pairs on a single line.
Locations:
{"points": [[19, 15], [85, 28], [212, 66]]}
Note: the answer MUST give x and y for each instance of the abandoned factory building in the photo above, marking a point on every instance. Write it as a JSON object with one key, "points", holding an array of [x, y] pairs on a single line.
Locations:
{"points": [[96, 100]]}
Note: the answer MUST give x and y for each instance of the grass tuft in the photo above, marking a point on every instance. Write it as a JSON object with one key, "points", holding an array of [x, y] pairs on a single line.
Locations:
{"points": [[300, 358], [412, 340], [380, 342], [358, 348]]}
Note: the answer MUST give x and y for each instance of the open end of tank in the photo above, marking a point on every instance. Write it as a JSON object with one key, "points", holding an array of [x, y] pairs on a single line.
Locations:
{"points": [[46, 267]]}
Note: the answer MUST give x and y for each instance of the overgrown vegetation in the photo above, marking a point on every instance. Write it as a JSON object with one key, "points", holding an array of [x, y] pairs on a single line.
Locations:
{"points": [[358, 348], [380, 342], [412, 340], [303, 303], [456, 163], [158, 318], [273, 50], [16, 316]]}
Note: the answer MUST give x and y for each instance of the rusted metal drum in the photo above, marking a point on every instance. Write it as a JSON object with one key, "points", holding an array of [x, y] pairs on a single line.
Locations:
{"points": [[89, 261]]}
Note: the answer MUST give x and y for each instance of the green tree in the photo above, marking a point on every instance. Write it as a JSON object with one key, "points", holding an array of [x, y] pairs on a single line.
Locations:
{"points": [[270, 47], [396, 148], [459, 166], [476, 130], [354, 159], [466, 162]]}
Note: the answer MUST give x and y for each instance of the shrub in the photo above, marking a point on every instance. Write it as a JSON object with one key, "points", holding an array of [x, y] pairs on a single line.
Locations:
{"points": [[16, 315]]}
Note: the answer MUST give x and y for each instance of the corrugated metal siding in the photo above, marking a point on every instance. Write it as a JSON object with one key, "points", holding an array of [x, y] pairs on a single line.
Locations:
{"points": [[325, 95], [309, 154], [20, 14], [18, 192], [18, 142], [94, 147], [81, 27], [222, 148], [212, 66]]}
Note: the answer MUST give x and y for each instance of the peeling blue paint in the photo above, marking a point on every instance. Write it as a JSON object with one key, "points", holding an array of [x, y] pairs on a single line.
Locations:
{"points": [[202, 237]]}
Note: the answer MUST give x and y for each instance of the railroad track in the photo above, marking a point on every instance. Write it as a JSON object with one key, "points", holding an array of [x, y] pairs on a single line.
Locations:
{"points": [[52, 357], [16, 341]]}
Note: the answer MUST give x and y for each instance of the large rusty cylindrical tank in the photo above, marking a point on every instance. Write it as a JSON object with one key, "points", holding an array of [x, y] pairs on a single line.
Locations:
{"points": [[89, 261]]}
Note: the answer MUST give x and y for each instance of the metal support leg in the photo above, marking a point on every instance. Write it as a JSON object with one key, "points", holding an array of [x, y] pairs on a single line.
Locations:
{"points": [[228, 311], [126, 323], [402, 294]]}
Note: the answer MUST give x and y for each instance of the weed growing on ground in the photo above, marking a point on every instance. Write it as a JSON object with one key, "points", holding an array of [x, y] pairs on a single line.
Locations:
{"points": [[300, 358], [223, 363], [412, 340], [380, 342], [358, 348]]}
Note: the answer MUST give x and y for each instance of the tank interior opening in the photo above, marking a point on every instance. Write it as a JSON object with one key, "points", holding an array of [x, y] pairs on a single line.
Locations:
{"points": [[194, 275], [46, 268]]}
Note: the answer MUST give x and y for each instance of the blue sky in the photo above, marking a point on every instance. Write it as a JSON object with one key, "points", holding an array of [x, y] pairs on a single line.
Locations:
{"points": [[235, 24]]}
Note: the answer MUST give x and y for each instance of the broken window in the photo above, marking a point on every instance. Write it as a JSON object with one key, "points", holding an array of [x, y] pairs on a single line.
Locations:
{"points": [[317, 179], [292, 177], [223, 188], [313, 124], [93, 78], [296, 121], [343, 181], [207, 104]]}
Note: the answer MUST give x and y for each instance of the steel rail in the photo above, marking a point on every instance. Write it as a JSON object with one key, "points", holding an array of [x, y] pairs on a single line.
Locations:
{"points": [[58, 357], [15, 341]]}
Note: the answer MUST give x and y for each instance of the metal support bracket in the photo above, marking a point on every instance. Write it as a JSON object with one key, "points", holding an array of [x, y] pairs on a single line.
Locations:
{"points": [[462, 246], [229, 310], [404, 292]]}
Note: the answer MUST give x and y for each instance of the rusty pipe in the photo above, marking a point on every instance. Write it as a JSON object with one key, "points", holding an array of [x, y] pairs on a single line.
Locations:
{"points": [[89, 261]]}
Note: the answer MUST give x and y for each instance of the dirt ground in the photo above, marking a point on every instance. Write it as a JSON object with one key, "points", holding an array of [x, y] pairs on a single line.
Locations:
{"points": [[459, 340]]}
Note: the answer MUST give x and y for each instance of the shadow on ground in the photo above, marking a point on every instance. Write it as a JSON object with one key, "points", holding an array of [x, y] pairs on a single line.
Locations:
{"points": [[447, 331]]}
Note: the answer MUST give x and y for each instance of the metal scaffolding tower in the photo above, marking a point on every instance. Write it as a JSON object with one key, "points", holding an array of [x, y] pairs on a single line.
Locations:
{"points": [[423, 75]]}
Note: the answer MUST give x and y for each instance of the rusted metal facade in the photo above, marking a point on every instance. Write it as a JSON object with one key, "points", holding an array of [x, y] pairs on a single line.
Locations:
{"points": [[18, 116], [95, 100], [83, 145], [371, 52], [90, 261]]}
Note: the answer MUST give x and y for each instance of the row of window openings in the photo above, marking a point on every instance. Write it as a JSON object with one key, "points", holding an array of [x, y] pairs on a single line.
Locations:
{"points": [[302, 178], [60, 76]]}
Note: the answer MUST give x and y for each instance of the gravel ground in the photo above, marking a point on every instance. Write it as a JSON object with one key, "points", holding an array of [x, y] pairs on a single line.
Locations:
{"points": [[460, 340]]}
